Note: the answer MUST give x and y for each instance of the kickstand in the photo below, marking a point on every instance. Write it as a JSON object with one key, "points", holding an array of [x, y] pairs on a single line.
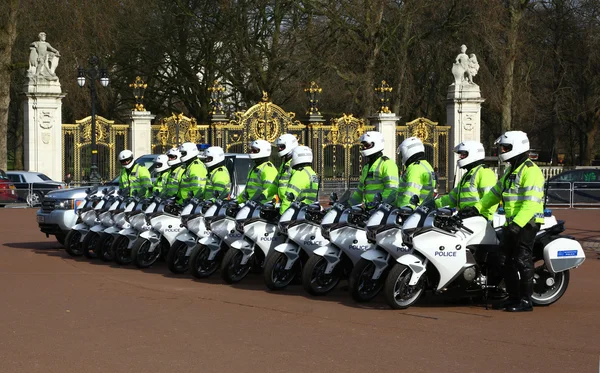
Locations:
{"points": [[486, 289]]}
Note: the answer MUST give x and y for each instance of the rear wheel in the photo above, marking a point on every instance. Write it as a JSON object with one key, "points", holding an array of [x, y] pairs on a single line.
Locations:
{"points": [[232, 271], [89, 243], [177, 261], [276, 276], [548, 287], [73, 243], [314, 278], [362, 286], [122, 254], [398, 293]]}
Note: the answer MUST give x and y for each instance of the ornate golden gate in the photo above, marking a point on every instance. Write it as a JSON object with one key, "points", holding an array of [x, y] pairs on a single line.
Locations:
{"points": [[175, 130], [264, 120], [111, 138], [337, 153], [435, 139]]}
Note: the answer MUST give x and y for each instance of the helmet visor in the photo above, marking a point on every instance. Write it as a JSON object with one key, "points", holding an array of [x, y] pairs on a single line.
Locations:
{"points": [[366, 145], [505, 148], [158, 165], [208, 159], [281, 147], [172, 156], [463, 154], [254, 150], [125, 162], [183, 153]]}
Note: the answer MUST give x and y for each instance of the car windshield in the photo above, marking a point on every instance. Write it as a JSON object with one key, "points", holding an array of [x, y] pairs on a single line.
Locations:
{"points": [[44, 177], [241, 169], [3, 175], [146, 161]]}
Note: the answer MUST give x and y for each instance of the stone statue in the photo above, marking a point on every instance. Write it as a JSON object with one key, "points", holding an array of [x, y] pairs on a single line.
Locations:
{"points": [[43, 60], [465, 67]]}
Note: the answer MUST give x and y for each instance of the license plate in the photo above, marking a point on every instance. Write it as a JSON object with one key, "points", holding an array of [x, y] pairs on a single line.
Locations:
{"points": [[40, 219]]}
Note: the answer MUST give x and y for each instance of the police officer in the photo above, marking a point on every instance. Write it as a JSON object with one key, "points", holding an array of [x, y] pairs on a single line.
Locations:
{"points": [[285, 144], [176, 171], [194, 175], [304, 183], [218, 179], [262, 175], [477, 180], [161, 167], [134, 176], [418, 178], [379, 174], [521, 191]]}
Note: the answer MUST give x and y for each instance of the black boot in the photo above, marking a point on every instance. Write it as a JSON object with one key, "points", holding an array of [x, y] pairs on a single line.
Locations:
{"points": [[524, 305], [509, 302]]}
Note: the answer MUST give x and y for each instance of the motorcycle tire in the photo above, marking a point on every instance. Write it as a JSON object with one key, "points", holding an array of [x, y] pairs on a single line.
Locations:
{"points": [[544, 294], [200, 266], [104, 247], [276, 277], [177, 261], [314, 280], [397, 283], [361, 285], [121, 252], [73, 243], [141, 255], [231, 269], [89, 244]]}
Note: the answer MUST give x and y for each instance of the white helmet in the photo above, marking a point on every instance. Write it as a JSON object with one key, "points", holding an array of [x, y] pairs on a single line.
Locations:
{"points": [[371, 143], [410, 147], [161, 163], [126, 158], [174, 156], [260, 149], [300, 155], [285, 144], [213, 155], [469, 152], [188, 150], [512, 143]]}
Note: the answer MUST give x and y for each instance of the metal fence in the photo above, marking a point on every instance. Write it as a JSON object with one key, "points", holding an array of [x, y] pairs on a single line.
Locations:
{"points": [[573, 194]]}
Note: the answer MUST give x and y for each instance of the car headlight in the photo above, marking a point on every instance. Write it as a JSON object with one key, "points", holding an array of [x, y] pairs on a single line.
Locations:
{"points": [[64, 204]]}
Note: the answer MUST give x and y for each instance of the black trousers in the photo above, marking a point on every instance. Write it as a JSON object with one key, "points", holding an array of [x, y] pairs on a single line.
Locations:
{"points": [[516, 261]]}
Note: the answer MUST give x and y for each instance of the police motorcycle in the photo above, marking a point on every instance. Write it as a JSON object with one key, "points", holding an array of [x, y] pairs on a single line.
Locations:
{"points": [[161, 227], [86, 218], [103, 240], [301, 223], [194, 227], [261, 234], [454, 254], [207, 256], [343, 227], [88, 244], [384, 229], [132, 224]]}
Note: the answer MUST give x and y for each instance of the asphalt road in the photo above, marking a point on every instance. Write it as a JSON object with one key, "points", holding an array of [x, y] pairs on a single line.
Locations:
{"points": [[61, 314]]}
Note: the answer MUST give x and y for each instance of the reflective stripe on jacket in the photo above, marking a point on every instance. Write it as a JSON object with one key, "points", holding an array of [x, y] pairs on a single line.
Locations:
{"points": [[419, 180], [136, 179], [522, 194], [160, 184], [472, 187], [193, 180], [219, 181], [303, 185], [281, 181], [172, 186], [379, 177], [259, 179]]}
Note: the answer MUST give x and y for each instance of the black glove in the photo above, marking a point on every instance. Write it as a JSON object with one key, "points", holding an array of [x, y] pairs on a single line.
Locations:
{"points": [[513, 229], [468, 212]]}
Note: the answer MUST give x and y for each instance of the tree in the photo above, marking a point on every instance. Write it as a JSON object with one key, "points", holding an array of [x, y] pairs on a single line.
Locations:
{"points": [[8, 34]]}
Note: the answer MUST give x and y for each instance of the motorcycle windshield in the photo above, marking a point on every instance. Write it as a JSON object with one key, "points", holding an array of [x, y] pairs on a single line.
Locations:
{"points": [[211, 211], [151, 208], [187, 209], [115, 205], [329, 218], [130, 206], [243, 213], [99, 205], [376, 218], [287, 215]]}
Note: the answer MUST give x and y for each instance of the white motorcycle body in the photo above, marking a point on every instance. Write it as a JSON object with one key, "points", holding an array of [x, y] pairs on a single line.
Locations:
{"points": [[258, 233], [221, 230], [305, 236], [349, 240], [168, 226], [83, 229]]}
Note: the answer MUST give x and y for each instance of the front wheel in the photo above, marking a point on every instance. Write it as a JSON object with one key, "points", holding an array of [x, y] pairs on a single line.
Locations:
{"points": [[362, 285], [177, 260], [232, 270], [121, 251], [200, 266], [398, 293], [73, 243], [276, 276], [142, 254], [548, 287], [104, 247], [89, 244], [314, 279]]}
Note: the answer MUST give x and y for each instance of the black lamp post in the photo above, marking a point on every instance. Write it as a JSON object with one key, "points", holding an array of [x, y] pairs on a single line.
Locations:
{"points": [[93, 73]]}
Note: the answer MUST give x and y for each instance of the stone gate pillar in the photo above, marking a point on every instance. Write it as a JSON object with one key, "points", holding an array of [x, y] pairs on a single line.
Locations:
{"points": [[386, 124], [141, 132]]}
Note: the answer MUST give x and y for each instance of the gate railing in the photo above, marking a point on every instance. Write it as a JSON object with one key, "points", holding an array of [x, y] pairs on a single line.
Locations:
{"points": [[573, 194]]}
